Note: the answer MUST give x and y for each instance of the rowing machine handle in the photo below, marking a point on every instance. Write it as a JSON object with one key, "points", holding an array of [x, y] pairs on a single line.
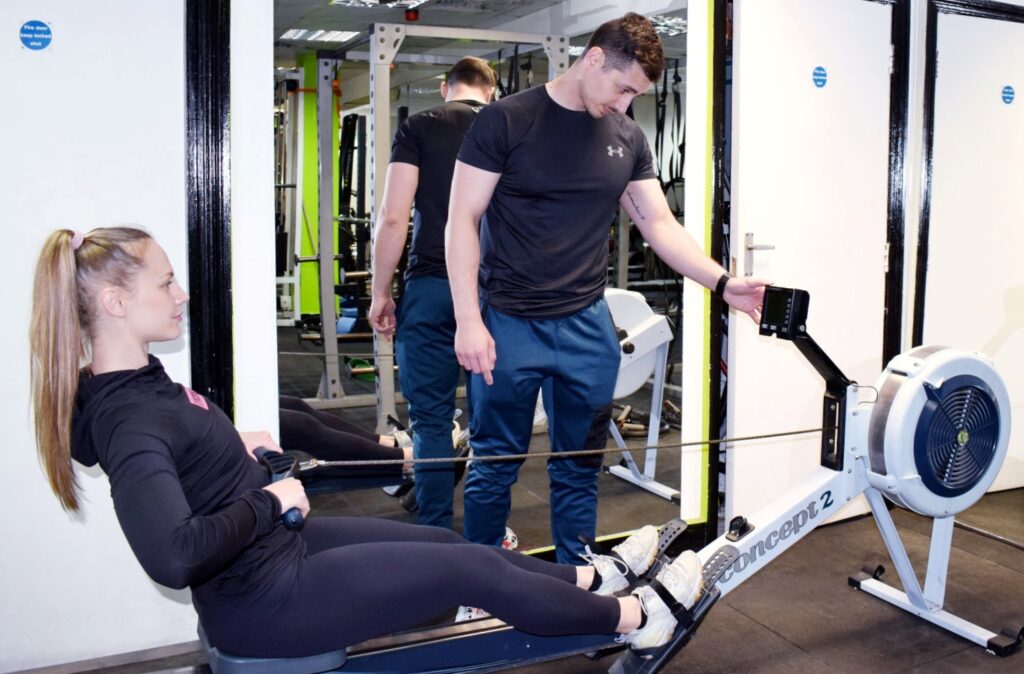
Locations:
{"points": [[281, 466]]}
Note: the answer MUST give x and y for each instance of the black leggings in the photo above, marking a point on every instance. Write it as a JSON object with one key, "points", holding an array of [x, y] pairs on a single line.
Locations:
{"points": [[366, 577], [325, 418], [329, 438]]}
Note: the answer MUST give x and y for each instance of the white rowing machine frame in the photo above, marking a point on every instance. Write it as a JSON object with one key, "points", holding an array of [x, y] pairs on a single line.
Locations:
{"points": [[877, 458]]}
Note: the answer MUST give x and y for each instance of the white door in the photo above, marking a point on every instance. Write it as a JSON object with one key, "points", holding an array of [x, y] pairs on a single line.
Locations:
{"points": [[810, 177], [974, 290]]}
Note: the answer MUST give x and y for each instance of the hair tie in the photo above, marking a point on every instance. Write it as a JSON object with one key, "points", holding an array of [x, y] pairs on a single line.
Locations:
{"points": [[77, 240]]}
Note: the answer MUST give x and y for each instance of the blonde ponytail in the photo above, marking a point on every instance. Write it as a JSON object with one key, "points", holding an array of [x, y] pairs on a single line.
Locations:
{"points": [[62, 301]]}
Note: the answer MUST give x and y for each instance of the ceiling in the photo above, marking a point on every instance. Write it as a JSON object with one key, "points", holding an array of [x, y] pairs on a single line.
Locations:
{"points": [[574, 18]]}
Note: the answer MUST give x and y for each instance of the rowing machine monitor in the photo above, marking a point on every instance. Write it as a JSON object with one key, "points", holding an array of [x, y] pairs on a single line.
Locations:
{"points": [[784, 312]]}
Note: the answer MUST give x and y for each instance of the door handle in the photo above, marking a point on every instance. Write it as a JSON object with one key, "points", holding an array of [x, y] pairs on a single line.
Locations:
{"points": [[748, 253]]}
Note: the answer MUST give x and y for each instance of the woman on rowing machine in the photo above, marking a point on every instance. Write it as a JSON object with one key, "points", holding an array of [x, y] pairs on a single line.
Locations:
{"points": [[198, 512]]}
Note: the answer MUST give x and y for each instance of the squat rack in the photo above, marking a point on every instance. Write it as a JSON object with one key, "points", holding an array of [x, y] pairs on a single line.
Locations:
{"points": [[385, 40]]}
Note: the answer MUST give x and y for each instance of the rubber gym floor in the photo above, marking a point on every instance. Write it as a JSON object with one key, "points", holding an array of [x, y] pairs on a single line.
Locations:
{"points": [[797, 615]]}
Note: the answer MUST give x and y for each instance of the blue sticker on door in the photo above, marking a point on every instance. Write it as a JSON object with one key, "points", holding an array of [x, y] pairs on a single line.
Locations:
{"points": [[36, 35], [819, 76], [1008, 94]]}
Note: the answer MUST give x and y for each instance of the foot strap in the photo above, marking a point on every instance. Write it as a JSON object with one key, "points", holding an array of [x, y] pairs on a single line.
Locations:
{"points": [[652, 660]]}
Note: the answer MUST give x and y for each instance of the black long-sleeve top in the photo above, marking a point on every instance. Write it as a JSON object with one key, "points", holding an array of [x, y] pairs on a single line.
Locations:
{"points": [[188, 497]]}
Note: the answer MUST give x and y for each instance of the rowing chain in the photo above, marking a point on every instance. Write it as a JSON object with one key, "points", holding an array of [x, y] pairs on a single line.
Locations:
{"points": [[317, 463]]}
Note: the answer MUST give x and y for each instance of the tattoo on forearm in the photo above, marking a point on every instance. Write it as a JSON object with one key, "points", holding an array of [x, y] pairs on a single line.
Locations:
{"points": [[636, 206]]}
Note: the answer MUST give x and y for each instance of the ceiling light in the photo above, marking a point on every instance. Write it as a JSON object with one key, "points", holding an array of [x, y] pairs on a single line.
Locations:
{"points": [[300, 35], [380, 4], [669, 26]]}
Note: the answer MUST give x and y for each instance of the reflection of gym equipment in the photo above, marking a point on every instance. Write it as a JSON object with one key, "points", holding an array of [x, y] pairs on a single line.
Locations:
{"points": [[644, 339], [382, 54], [288, 106]]}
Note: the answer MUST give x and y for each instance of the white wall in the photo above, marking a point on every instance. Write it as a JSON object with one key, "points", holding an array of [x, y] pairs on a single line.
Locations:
{"points": [[93, 135], [252, 215]]}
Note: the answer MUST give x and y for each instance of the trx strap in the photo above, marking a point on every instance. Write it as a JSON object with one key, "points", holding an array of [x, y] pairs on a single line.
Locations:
{"points": [[672, 185], [678, 132], [512, 86], [497, 69], [661, 99]]}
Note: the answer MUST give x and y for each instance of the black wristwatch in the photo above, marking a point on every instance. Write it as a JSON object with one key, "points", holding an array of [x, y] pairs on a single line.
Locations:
{"points": [[720, 286]]}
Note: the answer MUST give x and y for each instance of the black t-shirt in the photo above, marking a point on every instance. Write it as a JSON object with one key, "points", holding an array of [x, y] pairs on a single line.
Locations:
{"points": [[430, 140], [188, 497], [544, 240]]}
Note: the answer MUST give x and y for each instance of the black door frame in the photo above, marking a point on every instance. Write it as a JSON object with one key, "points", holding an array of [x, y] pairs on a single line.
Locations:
{"points": [[982, 9], [208, 189], [899, 88]]}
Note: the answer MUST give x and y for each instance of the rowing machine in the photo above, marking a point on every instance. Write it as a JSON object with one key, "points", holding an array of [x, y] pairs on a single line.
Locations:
{"points": [[931, 442]]}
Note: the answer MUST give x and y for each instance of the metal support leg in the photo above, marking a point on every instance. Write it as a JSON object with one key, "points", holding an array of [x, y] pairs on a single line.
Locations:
{"points": [[330, 381], [630, 473], [938, 561], [913, 600], [894, 544], [384, 45]]}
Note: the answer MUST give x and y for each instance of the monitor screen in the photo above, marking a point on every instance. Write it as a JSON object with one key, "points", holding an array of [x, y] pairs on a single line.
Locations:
{"points": [[776, 303]]}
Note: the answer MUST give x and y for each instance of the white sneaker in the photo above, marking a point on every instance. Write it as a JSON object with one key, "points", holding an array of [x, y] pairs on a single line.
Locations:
{"points": [[684, 580], [459, 436], [469, 613], [511, 541], [540, 417], [402, 438], [636, 552]]}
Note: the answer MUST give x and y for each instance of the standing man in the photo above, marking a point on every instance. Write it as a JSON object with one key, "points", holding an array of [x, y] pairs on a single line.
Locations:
{"points": [[422, 159], [549, 167]]}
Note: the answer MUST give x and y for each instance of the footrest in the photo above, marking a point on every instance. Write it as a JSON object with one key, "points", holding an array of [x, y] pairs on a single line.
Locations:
{"points": [[1008, 642], [669, 535], [226, 663], [648, 662], [670, 544], [720, 562]]}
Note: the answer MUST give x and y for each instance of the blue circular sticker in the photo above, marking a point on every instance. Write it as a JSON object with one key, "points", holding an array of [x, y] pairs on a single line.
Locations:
{"points": [[820, 77], [1008, 94], [36, 35]]}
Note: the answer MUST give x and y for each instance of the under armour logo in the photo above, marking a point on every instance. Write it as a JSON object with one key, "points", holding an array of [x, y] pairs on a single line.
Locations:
{"points": [[613, 151]]}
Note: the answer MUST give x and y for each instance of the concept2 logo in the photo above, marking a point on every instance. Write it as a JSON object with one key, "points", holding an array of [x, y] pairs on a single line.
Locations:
{"points": [[789, 529]]}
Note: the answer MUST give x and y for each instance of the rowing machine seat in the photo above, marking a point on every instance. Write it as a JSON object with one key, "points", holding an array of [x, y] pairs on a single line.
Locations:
{"points": [[227, 663]]}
